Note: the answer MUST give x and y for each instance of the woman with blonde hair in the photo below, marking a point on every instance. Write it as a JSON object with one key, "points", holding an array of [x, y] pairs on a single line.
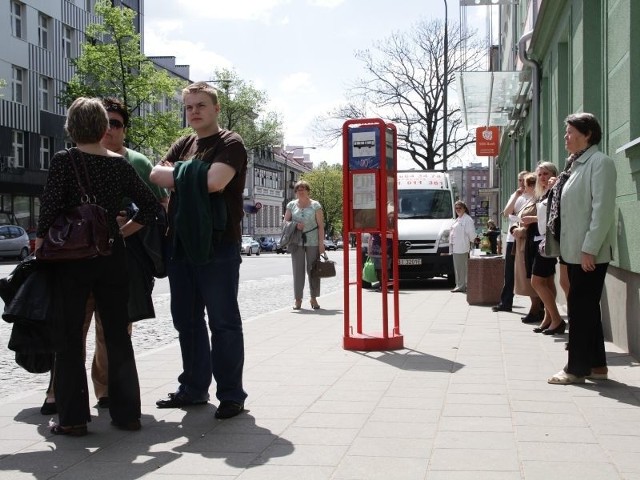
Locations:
{"points": [[544, 268], [523, 234], [110, 178]]}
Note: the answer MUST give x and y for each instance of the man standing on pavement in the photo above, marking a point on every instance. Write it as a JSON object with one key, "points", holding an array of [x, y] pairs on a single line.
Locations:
{"points": [[515, 203], [204, 266]]}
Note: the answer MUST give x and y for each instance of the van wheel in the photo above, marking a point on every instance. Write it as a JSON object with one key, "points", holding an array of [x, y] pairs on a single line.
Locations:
{"points": [[24, 253], [451, 280]]}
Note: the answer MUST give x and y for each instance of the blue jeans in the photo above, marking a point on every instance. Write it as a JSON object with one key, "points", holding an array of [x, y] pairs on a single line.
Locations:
{"points": [[214, 287]]}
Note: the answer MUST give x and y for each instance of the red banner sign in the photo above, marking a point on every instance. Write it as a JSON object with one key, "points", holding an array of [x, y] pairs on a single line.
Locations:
{"points": [[487, 141]]}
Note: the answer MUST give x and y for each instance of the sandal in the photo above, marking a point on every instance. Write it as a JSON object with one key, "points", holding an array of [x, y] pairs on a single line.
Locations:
{"points": [[314, 304], [72, 431], [297, 305], [564, 378]]}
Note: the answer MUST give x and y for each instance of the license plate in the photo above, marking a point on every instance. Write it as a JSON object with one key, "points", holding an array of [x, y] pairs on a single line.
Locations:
{"points": [[409, 261]]}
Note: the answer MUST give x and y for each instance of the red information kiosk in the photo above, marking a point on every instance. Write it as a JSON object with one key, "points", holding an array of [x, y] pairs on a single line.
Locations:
{"points": [[369, 198]]}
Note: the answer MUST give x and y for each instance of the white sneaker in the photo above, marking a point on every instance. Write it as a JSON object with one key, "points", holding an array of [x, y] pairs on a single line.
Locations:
{"points": [[564, 378]]}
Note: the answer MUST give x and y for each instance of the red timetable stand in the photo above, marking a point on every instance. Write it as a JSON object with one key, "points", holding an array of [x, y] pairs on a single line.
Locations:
{"points": [[369, 198]]}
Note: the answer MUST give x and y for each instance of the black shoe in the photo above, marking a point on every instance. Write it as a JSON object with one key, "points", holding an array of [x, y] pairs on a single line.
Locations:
{"points": [[48, 408], [228, 409], [531, 318], [103, 402], [500, 308], [179, 400], [558, 330], [132, 426]]}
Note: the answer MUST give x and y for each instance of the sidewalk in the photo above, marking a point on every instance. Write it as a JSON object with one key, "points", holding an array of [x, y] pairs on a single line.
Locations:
{"points": [[466, 399]]}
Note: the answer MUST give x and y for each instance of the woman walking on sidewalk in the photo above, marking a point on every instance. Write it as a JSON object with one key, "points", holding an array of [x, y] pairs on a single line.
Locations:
{"points": [[307, 213]]}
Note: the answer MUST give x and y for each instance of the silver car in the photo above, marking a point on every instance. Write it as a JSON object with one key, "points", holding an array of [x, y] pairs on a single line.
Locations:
{"points": [[249, 246], [14, 242]]}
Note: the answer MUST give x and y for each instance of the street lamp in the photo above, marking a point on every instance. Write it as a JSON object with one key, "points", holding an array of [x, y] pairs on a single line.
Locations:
{"points": [[446, 78]]}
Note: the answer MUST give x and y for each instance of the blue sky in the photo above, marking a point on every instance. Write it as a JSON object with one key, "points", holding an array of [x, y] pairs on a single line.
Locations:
{"points": [[301, 52]]}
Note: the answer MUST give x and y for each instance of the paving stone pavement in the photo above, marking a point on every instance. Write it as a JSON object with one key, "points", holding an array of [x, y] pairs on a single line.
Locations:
{"points": [[466, 398]]}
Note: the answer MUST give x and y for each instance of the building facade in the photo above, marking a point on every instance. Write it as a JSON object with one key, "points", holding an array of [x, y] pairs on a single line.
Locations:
{"points": [[271, 176], [472, 182], [566, 56], [35, 54]]}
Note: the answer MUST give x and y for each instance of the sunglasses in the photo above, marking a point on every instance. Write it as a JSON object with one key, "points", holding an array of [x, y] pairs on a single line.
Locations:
{"points": [[117, 124]]}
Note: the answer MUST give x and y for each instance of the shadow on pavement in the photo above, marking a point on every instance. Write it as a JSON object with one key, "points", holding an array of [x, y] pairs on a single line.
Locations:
{"points": [[413, 360], [176, 447]]}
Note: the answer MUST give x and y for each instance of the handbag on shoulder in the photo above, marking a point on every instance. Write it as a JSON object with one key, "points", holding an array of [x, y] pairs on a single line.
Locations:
{"points": [[79, 233]]}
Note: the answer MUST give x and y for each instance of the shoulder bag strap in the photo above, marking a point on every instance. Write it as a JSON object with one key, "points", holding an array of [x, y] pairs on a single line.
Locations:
{"points": [[84, 193]]}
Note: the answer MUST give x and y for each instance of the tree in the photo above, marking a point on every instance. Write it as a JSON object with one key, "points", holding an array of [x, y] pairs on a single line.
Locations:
{"points": [[326, 187], [242, 109], [405, 82], [111, 64]]}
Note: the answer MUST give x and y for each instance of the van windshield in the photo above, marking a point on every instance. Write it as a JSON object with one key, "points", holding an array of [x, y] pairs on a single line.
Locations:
{"points": [[425, 204]]}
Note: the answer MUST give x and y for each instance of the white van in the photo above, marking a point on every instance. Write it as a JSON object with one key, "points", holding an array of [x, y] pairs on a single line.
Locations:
{"points": [[425, 215]]}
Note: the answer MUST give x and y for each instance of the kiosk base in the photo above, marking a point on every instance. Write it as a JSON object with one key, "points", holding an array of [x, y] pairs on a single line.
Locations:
{"points": [[368, 343]]}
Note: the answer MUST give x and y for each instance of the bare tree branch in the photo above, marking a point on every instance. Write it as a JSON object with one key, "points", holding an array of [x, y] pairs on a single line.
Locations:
{"points": [[404, 82]]}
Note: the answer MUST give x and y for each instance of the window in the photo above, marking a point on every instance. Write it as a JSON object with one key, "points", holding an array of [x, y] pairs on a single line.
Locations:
{"points": [[43, 31], [17, 144], [89, 5], [66, 41], [16, 19], [17, 85], [44, 89], [45, 153]]}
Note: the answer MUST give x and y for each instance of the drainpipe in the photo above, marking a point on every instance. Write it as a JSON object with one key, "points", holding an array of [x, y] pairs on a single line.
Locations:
{"points": [[535, 99]]}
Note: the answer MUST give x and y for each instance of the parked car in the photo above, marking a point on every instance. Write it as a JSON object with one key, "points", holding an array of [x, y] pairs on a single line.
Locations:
{"points": [[249, 245], [329, 245], [340, 244], [14, 242], [267, 244]]}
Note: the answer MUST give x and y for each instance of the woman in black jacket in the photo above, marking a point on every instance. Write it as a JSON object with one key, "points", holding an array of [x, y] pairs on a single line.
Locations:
{"points": [[111, 179]]}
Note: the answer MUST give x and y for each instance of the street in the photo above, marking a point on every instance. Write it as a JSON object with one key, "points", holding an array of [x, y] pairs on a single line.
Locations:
{"points": [[265, 285]]}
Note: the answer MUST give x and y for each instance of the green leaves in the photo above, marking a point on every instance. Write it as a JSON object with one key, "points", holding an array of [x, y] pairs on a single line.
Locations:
{"points": [[112, 64]]}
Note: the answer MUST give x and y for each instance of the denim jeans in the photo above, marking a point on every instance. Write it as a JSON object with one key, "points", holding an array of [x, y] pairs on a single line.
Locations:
{"points": [[214, 287]]}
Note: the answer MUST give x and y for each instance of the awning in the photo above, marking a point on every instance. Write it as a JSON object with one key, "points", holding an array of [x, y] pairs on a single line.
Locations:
{"points": [[493, 98]]}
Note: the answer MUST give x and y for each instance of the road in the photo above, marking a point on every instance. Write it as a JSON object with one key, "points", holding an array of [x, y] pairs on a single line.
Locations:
{"points": [[265, 285]]}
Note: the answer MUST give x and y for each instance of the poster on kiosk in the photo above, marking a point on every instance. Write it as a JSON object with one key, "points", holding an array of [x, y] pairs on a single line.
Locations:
{"points": [[370, 194]]}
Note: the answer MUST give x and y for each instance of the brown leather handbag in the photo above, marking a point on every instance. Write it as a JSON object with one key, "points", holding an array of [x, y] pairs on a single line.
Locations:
{"points": [[323, 267], [79, 233]]}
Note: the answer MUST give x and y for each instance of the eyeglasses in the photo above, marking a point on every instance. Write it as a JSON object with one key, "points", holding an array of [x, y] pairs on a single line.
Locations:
{"points": [[117, 124], [300, 189], [459, 208]]}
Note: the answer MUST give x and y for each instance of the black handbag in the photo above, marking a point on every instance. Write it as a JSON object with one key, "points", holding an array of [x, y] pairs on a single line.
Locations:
{"points": [[79, 233], [323, 267]]}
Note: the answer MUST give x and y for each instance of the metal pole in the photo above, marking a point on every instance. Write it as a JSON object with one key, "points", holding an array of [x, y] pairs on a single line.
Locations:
{"points": [[446, 78]]}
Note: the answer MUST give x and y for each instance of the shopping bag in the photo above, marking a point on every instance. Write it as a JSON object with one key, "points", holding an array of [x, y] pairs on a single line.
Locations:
{"points": [[369, 272]]}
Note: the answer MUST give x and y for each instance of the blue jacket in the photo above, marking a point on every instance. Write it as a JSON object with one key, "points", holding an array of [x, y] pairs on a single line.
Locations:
{"points": [[587, 208]]}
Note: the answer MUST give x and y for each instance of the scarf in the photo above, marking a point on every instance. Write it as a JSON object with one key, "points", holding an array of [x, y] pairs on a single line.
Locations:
{"points": [[553, 205]]}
